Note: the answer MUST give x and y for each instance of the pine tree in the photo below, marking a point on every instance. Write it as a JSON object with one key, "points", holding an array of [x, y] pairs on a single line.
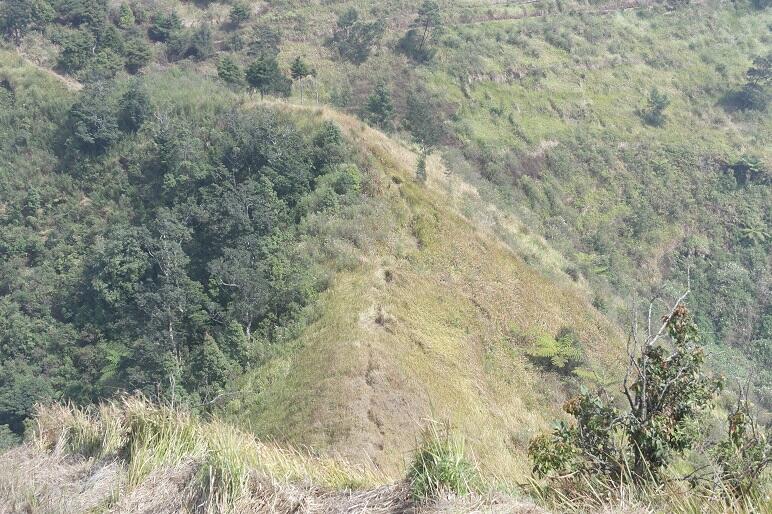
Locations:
{"points": [[264, 75], [236, 343], [420, 172], [299, 69], [380, 109], [239, 14], [229, 71], [134, 107], [126, 17], [208, 367]]}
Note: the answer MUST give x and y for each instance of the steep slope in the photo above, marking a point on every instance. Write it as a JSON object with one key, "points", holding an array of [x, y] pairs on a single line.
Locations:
{"points": [[421, 328], [427, 316]]}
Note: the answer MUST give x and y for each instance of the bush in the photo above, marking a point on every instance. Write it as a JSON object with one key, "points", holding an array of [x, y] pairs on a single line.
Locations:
{"points": [[163, 26], [229, 71], [440, 467], [354, 38], [653, 113], [239, 14]]}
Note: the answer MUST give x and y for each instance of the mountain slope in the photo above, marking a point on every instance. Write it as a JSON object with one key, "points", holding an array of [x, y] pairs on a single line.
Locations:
{"points": [[422, 328]]}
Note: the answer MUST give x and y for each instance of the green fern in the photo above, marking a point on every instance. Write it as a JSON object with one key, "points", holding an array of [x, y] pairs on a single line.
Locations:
{"points": [[562, 353]]}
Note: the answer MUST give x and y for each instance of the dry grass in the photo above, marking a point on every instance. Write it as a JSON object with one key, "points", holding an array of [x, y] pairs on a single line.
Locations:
{"points": [[163, 459], [431, 341]]}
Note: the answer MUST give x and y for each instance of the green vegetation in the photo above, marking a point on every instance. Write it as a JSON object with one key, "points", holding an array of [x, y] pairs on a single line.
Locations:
{"points": [[280, 265], [440, 467], [669, 396], [194, 272]]}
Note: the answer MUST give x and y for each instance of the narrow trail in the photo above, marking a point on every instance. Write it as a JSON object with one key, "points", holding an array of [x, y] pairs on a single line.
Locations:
{"points": [[69, 82]]}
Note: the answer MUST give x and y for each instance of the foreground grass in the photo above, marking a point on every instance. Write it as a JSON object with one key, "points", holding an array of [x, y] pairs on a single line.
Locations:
{"points": [[137, 456], [148, 437]]}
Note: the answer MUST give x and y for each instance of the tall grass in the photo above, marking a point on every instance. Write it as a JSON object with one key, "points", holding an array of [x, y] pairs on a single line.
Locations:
{"points": [[596, 494], [440, 466], [148, 437]]}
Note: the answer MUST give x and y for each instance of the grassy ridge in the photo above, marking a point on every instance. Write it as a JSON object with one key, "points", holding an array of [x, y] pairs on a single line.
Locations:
{"points": [[422, 328]]}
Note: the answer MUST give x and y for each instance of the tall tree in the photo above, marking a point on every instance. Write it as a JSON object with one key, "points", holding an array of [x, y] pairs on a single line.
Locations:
{"points": [[416, 43], [299, 70], [380, 108], [18, 17], [265, 76], [354, 39]]}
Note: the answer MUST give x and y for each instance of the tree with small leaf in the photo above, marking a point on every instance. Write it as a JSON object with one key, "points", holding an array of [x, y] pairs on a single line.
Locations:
{"points": [[667, 391], [265, 76], [19, 17], [229, 71], [239, 14], [354, 38], [209, 368], [380, 109]]}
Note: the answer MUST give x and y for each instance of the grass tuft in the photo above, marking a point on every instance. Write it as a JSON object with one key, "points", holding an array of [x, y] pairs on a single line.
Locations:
{"points": [[440, 467]]}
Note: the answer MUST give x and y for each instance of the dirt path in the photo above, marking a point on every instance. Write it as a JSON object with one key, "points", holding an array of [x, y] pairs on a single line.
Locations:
{"points": [[69, 82]]}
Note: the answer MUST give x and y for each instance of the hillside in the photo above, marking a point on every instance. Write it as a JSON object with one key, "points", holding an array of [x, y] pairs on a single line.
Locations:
{"points": [[322, 233], [426, 316], [424, 327]]}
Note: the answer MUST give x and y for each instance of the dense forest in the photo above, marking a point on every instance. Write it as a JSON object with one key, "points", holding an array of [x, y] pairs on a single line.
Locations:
{"points": [[158, 251], [206, 203]]}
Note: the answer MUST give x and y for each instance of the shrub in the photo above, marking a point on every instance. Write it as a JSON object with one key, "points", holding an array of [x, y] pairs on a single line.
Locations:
{"points": [[669, 393], [229, 71], [239, 14], [440, 466], [653, 113], [354, 38]]}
